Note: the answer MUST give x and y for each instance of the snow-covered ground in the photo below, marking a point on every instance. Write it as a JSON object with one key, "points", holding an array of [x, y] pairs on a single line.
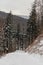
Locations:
{"points": [[21, 58], [37, 46], [31, 57]]}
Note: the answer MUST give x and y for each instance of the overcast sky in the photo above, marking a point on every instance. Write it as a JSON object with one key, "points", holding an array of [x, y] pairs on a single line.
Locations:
{"points": [[18, 7]]}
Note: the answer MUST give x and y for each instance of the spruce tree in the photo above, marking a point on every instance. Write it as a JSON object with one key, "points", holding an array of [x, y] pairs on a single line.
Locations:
{"points": [[18, 36], [8, 33], [32, 30]]}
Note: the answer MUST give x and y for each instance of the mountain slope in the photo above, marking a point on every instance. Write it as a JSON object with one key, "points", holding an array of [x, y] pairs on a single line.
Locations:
{"points": [[37, 46], [16, 20]]}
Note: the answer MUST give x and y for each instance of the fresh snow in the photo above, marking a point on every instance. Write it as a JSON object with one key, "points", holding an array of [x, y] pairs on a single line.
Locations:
{"points": [[37, 46], [25, 58], [21, 58]]}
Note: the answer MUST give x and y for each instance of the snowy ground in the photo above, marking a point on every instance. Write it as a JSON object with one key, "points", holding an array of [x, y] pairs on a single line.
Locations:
{"points": [[21, 58], [37, 46], [26, 58]]}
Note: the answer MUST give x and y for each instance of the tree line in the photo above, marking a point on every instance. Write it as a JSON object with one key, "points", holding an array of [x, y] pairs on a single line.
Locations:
{"points": [[22, 40]]}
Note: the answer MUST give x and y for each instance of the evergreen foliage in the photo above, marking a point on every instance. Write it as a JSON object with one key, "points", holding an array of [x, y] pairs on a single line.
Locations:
{"points": [[8, 33], [32, 30], [18, 36]]}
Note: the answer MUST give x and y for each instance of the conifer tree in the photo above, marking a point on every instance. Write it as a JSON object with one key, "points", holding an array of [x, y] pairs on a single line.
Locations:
{"points": [[32, 30], [8, 33], [18, 35]]}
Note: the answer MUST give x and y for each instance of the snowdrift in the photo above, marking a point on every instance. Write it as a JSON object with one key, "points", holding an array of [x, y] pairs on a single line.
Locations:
{"points": [[37, 46], [21, 58]]}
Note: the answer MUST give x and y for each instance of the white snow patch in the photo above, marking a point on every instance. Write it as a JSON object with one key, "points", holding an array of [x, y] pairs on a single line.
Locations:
{"points": [[21, 58]]}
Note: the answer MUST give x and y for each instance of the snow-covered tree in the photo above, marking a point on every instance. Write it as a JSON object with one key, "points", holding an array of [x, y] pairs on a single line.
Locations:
{"points": [[8, 33]]}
